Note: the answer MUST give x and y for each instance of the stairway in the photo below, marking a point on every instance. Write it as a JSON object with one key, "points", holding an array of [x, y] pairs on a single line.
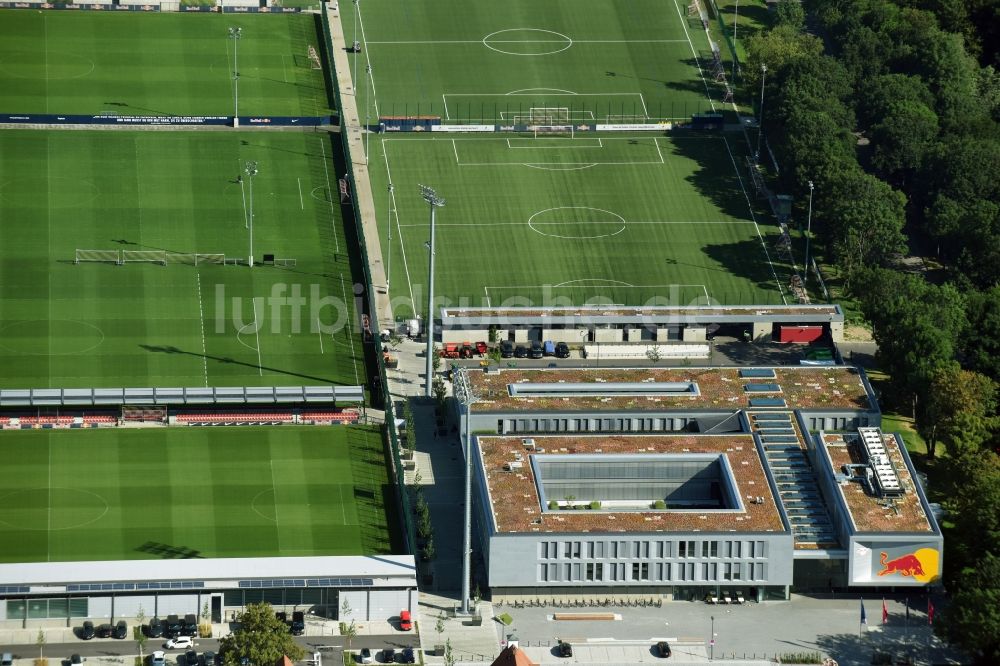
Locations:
{"points": [[795, 478]]}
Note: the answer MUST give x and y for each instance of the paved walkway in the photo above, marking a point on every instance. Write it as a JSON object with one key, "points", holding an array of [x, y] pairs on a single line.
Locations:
{"points": [[353, 133]]}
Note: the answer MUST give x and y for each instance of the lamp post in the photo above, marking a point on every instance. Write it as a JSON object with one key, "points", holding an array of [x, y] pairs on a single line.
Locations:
{"points": [[388, 252], [463, 392], [431, 197], [368, 97], [235, 34], [251, 171], [809, 224], [711, 642], [760, 117], [354, 81]]}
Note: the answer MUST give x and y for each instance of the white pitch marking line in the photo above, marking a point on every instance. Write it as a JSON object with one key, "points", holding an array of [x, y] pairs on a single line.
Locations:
{"points": [[284, 71], [455, 148], [754, 218], [657, 144], [256, 329], [650, 222], [697, 62], [299, 181], [487, 290], [201, 324], [350, 333], [48, 528], [399, 228], [274, 491], [329, 189], [445, 98], [319, 332], [368, 60], [535, 41]]}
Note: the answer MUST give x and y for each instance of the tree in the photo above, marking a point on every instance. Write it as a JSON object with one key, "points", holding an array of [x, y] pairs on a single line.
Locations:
{"points": [[958, 410], [903, 138], [973, 506], [449, 655], [40, 642], [790, 13], [653, 354], [137, 631], [350, 630], [981, 343], [972, 619], [440, 391], [260, 637]]}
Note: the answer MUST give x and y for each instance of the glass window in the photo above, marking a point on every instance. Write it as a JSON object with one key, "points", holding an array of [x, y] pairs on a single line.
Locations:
{"points": [[737, 550], [543, 573], [760, 549], [666, 571], [704, 549], [599, 550], [569, 572], [645, 549], [38, 608], [15, 609], [682, 549], [736, 571], [576, 572], [553, 572], [590, 549], [659, 549], [58, 607], [78, 607], [590, 571], [644, 571], [727, 571], [713, 549]]}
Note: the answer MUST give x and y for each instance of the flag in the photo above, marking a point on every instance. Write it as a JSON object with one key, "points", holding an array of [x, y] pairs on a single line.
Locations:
{"points": [[864, 617], [885, 612], [930, 611]]}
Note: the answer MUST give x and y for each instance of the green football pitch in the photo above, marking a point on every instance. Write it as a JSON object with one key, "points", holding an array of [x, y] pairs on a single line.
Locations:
{"points": [[140, 63], [663, 218], [173, 195], [193, 492]]}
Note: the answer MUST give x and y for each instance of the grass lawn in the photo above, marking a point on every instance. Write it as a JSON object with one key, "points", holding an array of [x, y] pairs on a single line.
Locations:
{"points": [[473, 60], [219, 492], [143, 63], [649, 219], [141, 324]]}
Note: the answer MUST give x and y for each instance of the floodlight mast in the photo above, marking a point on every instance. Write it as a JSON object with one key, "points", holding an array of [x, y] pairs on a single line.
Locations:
{"points": [[235, 34], [465, 395], [388, 252], [431, 197], [251, 171], [760, 117], [809, 225]]}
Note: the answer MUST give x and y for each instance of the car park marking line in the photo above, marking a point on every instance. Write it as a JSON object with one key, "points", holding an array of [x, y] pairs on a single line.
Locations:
{"points": [[754, 218]]}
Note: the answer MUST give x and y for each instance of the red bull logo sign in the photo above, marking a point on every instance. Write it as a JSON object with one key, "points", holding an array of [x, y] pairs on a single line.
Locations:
{"points": [[921, 565]]}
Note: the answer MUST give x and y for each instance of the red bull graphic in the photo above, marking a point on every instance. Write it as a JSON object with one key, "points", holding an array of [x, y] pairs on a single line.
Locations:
{"points": [[921, 565]]}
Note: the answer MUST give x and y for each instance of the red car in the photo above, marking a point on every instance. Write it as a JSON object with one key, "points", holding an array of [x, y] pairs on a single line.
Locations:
{"points": [[405, 622]]}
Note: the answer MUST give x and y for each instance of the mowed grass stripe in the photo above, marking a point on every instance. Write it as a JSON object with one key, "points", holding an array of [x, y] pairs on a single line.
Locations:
{"points": [[127, 494]]}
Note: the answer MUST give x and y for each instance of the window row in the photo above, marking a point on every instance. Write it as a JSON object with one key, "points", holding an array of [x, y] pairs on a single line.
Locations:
{"points": [[621, 572], [613, 550], [506, 426]]}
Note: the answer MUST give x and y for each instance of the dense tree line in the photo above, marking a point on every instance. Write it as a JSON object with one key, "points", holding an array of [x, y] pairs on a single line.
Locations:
{"points": [[892, 109]]}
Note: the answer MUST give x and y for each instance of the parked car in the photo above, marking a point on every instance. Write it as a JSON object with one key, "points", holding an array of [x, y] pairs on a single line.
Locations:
{"points": [[155, 628], [158, 659], [87, 630], [663, 649], [121, 630], [298, 623], [76, 660], [191, 658], [562, 350], [407, 656], [405, 621], [174, 627], [366, 656], [536, 350], [520, 351], [104, 630], [179, 643], [208, 658], [388, 656], [190, 625], [506, 349], [564, 649], [8, 659], [282, 617]]}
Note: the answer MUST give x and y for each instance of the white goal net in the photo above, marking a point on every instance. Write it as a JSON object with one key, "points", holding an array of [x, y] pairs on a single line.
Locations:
{"points": [[144, 256], [548, 115], [553, 131], [102, 256]]}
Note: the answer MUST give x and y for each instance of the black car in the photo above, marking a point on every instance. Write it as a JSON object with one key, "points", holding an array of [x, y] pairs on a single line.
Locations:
{"points": [[104, 631], [87, 630], [155, 628], [407, 656], [562, 350], [121, 630], [564, 649], [520, 351], [282, 617], [190, 625], [536, 350], [76, 660], [506, 349], [174, 627], [298, 623], [663, 649], [208, 658], [191, 658], [388, 656]]}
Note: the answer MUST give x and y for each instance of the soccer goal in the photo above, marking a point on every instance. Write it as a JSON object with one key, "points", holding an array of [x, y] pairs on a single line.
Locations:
{"points": [[544, 115], [314, 58], [100, 256], [547, 131], [144, 257]]}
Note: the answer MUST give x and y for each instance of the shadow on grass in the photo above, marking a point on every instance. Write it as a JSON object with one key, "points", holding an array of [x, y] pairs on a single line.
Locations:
{"points": [[167, 349]]}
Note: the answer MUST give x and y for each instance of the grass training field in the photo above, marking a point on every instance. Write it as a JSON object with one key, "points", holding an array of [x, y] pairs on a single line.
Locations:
{"points": [[171, 194], [656, 218], [193, 492], [144, 63]]}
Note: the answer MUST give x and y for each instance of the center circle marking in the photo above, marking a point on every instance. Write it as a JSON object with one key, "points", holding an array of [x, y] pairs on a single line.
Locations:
{"points": [[554, 45], [64, 191], [77, 508], [265, 516], [56, 65], [33, 337], [618, 223]]}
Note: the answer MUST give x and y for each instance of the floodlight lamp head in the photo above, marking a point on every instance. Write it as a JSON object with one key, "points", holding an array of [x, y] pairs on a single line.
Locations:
{"points": [[430, 196], [810, 186], [235, 33], [251, 168]]}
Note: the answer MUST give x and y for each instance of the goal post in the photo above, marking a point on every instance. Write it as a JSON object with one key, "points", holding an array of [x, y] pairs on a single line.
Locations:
{"points": [[101, 256], [144, 256], [544, 115], [219, 259]]}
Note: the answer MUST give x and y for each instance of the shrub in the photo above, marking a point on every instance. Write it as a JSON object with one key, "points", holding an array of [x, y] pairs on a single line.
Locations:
{"points": [[553, 505], [659, 504], [595, 505]]}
